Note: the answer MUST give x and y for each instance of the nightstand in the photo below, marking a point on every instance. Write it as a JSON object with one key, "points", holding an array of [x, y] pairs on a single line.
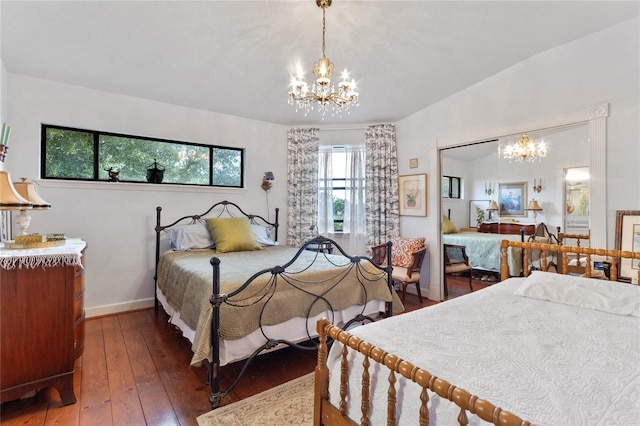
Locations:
{"points": [[41, 319]]}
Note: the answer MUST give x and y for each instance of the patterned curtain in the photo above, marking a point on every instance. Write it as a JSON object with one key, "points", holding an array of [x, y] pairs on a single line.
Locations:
{"points": [[382, 220], [302, 201]]}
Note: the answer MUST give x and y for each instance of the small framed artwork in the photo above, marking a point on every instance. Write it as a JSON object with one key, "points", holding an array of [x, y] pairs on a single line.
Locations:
{"points": [[628, 239], [413, 195], [512, 198], [478, 210], [413, 163]]}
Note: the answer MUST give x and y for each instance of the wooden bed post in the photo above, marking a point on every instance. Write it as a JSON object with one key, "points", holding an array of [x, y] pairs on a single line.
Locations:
{"points": [[322, 373], [504, 265]]}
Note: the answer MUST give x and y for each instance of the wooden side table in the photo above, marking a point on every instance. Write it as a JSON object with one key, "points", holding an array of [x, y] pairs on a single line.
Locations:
{"points": [[41, 319]]}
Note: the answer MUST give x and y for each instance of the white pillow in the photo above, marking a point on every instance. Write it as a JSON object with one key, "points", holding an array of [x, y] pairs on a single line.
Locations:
{"points": [[262, 235], [189, 237], [608, 296]]}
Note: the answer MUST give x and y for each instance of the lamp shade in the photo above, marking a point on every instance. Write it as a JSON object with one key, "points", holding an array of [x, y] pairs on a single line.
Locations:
{"points": [[533, 205], [493, 206], [268, 176], [10, 199], [27, 190]]}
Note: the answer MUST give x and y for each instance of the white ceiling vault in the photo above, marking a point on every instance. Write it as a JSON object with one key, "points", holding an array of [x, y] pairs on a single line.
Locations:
{"points": [[234, 57]]}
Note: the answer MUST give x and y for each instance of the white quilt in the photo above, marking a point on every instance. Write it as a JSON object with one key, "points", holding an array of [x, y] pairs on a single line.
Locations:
{"points": [[549, 363]]}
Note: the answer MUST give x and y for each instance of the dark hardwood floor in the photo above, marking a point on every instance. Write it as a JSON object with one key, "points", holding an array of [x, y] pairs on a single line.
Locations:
{"points": [[135, 371]]}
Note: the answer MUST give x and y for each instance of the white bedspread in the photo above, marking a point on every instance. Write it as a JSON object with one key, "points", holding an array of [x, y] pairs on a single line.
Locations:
{"points": [[483, 250], [549, 363]]}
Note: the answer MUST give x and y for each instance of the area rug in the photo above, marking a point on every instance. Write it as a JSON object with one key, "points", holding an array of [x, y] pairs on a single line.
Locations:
{"points": [[290, 403]]}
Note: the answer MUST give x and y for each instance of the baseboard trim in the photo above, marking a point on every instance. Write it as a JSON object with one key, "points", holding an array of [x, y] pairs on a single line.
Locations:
{"points": [[116, 308]]}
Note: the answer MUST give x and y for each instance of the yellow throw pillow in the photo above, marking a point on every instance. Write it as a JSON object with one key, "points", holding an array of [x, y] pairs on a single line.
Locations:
{"points": [[447, 226], [232, 234]]}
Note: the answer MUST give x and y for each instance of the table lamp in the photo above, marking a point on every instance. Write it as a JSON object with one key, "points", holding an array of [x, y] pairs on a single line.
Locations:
{"points": [[27, 190], [535, 208], [10, 199], [493, 207]]}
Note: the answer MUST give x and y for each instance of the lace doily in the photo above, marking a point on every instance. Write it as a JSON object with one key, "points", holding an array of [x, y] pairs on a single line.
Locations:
{"points": [[67, 255]]}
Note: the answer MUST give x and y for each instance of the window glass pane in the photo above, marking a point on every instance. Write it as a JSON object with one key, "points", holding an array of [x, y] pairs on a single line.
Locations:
{"points": [[455, 187], [227, 170], [445, 187], [338, 204], [133, 156], [338, 162], [68, 154]]}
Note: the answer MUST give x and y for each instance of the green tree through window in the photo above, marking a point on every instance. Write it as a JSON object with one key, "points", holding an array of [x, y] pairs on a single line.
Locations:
{"points": [[87, 155]]}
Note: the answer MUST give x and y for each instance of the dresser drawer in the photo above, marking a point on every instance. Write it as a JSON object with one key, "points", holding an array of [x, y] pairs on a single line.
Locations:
{"points": [[78, 336], [78, 306]]}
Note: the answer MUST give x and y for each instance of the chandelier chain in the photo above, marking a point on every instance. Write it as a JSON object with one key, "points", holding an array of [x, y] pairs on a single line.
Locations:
{"points": [[324, 27]]}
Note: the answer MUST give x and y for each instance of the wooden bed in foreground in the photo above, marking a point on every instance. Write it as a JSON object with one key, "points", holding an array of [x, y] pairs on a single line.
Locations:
{"points": [[544, 349]]}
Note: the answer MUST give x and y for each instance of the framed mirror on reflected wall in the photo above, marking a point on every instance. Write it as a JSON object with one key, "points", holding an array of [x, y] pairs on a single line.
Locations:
{"points": [[576, 195]]}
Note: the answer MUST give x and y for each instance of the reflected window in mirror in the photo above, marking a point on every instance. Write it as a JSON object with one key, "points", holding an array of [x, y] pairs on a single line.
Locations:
{"points": [[450, 187]]}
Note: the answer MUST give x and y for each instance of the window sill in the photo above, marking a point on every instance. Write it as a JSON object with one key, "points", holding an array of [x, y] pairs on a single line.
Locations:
{"points": [[128, 186]]}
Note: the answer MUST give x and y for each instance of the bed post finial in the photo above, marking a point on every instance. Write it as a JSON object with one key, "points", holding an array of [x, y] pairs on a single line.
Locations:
{"points": [[504, 265]]}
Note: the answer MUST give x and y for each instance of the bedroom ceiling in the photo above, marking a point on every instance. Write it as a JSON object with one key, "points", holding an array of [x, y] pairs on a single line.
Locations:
{"points": [[234, 57]]}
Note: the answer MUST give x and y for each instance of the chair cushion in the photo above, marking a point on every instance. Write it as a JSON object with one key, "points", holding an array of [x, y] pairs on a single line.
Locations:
{"points": [[400, 274], [456, 267], [403, 248]]}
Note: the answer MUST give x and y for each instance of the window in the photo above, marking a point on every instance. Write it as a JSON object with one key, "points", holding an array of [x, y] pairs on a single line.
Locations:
{"points": [[340, 187], [450, 187], [88, 155]]}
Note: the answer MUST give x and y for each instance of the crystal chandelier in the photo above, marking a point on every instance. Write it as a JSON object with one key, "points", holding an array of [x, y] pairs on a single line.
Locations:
{"points": [[323, 93], [525, 150]]}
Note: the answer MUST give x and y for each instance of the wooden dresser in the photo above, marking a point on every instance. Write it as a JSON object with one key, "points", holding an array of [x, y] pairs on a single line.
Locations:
{"points": [[506, 228], [41, 320]]}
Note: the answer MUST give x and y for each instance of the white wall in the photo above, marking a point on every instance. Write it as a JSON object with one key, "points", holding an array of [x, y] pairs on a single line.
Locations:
{"points": [[3, 92], [117, 219], [458, 206], [3, 83], [555, 87]]}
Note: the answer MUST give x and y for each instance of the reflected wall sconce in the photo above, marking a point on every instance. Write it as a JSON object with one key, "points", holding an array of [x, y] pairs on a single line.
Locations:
{"points": [[266, 181], [493, 207], [489, 188], [537, 185], [535, 208]]}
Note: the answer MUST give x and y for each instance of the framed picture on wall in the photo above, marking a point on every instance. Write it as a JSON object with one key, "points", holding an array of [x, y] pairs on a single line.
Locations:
{"points": [[512, 198], [628, 239], [478, 212], [413, 195]]}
